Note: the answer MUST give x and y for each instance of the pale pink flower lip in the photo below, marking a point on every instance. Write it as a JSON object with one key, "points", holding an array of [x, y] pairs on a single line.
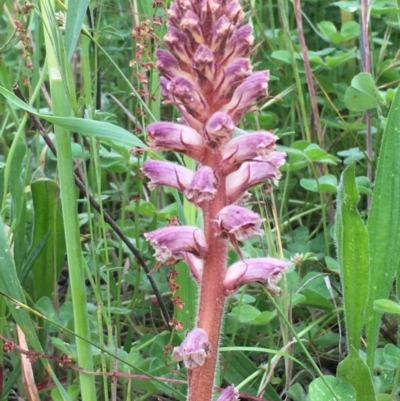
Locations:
{"points": [[203, 185], [229, 394], [256, 145], [169, 174], [170, 242], [239, 221], [176, 137], [194, 349], [258, 269]]}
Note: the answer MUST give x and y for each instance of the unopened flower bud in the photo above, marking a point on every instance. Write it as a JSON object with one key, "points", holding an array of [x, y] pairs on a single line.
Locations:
{"points": [[221, 31], [239, 222], [186, 93], [169, 174], [176, 137], [233, 75], [194, 349], [167, 64], [251, 270], [175, 40], [240, 43], [246, 93], [234, 12], [203, 185], [229, 394], [191, 24], [171, 241], [203, 61]]}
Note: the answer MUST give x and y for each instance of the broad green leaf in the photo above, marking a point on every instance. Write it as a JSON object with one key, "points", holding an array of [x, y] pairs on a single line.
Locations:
{"points": [[339, 58], [76, 13], [355, 371], [350, 30], [326, 183], [319, 391], [282, 55], [98, 129], [384, 224], [353, 256], [362, 94], [47, 220], [245, 313]]}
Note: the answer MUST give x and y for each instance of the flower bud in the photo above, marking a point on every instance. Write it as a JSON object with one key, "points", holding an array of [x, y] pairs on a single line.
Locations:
{"points": [[229, 394], [250, 270], [191, 24], [253, 173], [239, 222], [203, 61], [167, 64], [234, 12], [253, 146], [233, 75], [239, 44], [246, 93], [171, 241], [169, 174], [194, 349], [186, 93], [203, 186], [221, 31], [176, 137], [176, 40]]}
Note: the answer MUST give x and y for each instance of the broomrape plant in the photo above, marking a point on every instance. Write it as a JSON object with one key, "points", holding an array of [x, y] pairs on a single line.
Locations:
{"points": [[207, 75]]}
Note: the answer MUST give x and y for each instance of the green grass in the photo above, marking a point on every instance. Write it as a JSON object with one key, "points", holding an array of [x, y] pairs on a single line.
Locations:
{"points": [[77, 289]]}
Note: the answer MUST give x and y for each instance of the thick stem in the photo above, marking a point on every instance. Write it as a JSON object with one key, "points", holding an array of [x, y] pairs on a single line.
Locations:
{"points": [[212, 297]]}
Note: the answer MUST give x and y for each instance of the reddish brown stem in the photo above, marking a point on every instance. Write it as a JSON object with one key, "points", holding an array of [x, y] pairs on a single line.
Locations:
{"points": [[212, 295]]}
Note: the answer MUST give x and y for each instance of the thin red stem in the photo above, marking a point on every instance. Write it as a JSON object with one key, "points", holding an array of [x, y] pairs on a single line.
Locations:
{"points": [[212, 296]]}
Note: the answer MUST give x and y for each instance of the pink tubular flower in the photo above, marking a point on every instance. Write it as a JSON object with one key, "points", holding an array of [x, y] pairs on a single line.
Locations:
{"points": [[204, 62], [239, 221], [169, 174], [229, 394], [250, 270], [194, 349], [253, 173], [203, 185], [170, 242], [233, 75], [256, 145], [176, 137], [246, 94]]}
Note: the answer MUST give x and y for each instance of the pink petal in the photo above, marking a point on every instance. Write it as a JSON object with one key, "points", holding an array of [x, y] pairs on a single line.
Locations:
{"points": [[194, 349], [256, 145], [203, 185], [176, 137], [170, 242], [239, 221], [250, 270], [229, 394], [169, 174]]}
